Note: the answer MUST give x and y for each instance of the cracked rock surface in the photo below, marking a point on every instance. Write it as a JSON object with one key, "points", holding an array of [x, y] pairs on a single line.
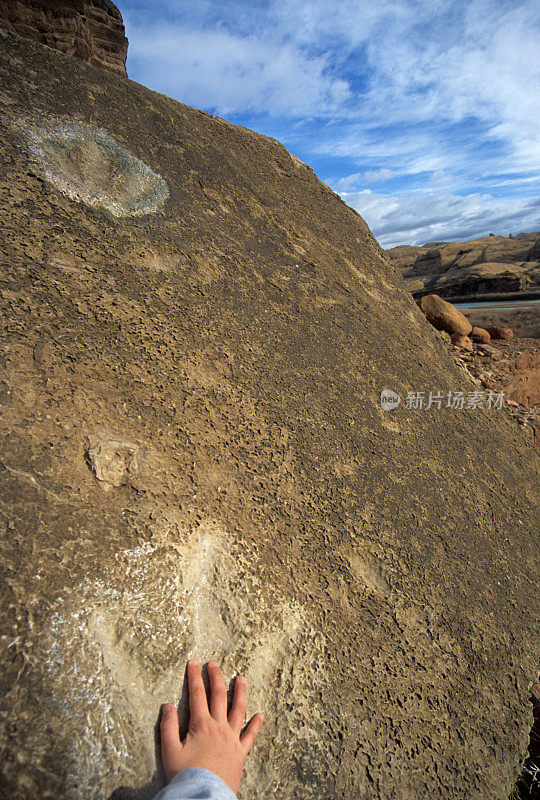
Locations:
{"points": [[217, 363]]}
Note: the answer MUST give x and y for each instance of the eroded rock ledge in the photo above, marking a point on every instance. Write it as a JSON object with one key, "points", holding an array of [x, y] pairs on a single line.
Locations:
{"points": [[91, 30]]}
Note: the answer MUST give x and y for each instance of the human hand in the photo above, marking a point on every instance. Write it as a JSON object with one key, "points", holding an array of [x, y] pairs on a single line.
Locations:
{"points": [[214, 741]]}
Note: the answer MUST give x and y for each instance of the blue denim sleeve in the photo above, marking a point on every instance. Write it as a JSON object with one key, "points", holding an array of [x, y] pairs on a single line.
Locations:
{"points": [[196, 784]]}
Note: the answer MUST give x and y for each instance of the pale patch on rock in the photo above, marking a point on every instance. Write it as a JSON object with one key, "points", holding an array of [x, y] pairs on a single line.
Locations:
{"points": [[370, 574], [117, 649], [88, 165], [112, 461]]}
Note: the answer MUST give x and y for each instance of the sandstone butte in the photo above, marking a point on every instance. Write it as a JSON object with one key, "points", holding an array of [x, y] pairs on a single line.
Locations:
{"points": [[489, 268], [195, 462]]}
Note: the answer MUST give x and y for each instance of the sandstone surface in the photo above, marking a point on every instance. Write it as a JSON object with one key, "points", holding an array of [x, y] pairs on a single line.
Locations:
{"points": [[216, 364], [513, 368], [91, 30]]}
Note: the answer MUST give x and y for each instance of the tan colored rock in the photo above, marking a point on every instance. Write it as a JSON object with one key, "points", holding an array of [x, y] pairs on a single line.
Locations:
{"points": [[112, 461], [489, 350], [278, 521], [480, 335], [489, 266], [524, 387], [90, 30], [460, 340], [444, 316], [500, 332]]}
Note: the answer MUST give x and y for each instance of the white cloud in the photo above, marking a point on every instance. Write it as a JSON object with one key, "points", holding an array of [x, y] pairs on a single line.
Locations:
{"points": [[395, 89], [232, 73], [440, 178], [441, 216], [358, 178]]}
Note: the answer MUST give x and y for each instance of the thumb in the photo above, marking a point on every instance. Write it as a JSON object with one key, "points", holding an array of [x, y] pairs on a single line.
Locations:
{"points": [[171, 745]]}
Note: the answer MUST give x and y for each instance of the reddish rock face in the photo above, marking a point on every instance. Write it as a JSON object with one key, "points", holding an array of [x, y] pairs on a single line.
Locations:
{"points": [[444, 316], [525, 386], [460, 340], [480, 335], [500, 332], [91, 30]]}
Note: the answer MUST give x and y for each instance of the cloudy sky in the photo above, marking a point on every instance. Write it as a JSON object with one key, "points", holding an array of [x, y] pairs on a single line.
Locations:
{"points": [[424, 115]]}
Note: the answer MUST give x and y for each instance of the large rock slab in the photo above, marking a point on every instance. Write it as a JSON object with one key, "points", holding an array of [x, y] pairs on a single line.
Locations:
{"points": [[195, 461]]}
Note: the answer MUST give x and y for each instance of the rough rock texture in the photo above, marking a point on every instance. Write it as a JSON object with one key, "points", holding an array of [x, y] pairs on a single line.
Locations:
{"points": [[217, 365], [513, 368], [91, 30], [460, 340], [499, 332], [444, 316], [525, 388], [492, 265], [480, 335]]}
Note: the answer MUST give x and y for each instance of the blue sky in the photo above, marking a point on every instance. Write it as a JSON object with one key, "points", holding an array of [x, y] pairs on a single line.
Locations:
{"points": [[424, 115]]}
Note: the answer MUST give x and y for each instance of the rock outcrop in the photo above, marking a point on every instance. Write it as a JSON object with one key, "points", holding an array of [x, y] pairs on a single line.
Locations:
{"points": [[200, 326], [492, 265], [91, 30]]}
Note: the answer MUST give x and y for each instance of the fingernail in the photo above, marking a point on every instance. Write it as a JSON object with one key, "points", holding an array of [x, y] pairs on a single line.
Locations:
{"points": [[241, 679], [167, 708], [213, 664], [193, 662]]}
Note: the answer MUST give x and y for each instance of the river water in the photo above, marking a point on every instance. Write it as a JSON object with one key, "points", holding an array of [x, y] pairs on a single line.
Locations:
{"points": [[508, 304]]}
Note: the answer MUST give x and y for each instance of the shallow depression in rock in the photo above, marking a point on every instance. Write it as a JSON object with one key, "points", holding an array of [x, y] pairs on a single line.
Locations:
{"points": [[88, 165]]}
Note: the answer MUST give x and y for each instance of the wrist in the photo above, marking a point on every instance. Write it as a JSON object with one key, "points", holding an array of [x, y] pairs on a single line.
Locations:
{"points": [[202, 778]]}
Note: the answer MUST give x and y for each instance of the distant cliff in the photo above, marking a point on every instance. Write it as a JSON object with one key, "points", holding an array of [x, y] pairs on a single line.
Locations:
{"points": [[91, 30], [492, 265]]}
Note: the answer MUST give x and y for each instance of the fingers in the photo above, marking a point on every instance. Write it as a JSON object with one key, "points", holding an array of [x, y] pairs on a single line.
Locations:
{"points": [[238, 709], [250, 733], [218, 693], [170, 739], [198, 704]]}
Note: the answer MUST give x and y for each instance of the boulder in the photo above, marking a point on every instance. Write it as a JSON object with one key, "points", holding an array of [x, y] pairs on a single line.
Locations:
{"points": [[500, 332], [195, 461], [480, 335], [460, 340], [444, 316]]}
